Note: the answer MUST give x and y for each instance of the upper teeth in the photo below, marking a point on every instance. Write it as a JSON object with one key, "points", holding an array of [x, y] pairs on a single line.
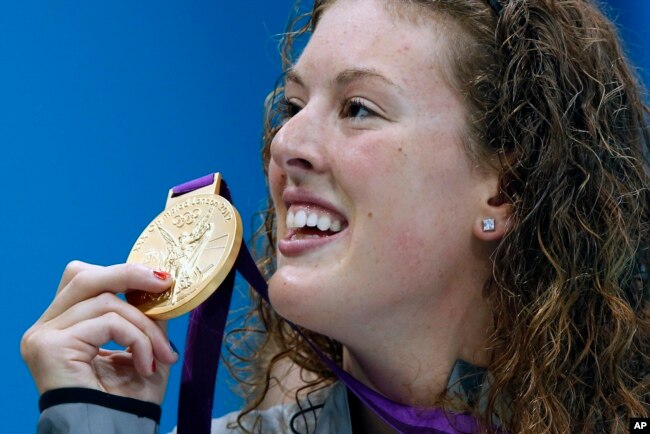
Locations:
{"points": [[312, 219]]}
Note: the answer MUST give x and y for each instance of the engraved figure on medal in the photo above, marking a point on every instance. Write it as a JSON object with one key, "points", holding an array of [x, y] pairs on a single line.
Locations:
{"points": [[196, 241], [182, 253]]}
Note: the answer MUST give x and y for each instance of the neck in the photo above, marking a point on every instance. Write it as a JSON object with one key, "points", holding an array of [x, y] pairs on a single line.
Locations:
{"points": [[417, 355]]}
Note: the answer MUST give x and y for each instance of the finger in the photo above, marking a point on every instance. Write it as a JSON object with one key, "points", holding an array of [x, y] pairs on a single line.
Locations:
{"points": [[113, 327], [163, 326], [106, 303], [107, 352], [91, 282], [162, 323], [71, 270]]}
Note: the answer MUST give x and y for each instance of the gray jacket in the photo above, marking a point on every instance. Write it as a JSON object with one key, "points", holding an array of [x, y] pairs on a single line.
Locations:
{"points": [[327, 411]]}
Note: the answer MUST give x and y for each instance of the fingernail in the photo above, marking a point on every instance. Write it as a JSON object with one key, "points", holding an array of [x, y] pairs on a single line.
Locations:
{"points": [[173, 347], [161, 275], [153, 366]]}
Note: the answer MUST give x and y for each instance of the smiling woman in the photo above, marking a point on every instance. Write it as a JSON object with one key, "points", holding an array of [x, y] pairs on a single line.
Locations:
{"points": [[459, 211], [332, 157]]}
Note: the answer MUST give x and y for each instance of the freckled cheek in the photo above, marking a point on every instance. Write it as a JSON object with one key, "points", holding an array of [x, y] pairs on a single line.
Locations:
{"points": [[396, 248], [399, 267], [374, 154], [408, 249]]}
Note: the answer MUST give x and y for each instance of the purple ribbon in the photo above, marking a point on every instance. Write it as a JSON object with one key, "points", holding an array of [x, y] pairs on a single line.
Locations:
{"points": [[203, 349], [193, 185]]}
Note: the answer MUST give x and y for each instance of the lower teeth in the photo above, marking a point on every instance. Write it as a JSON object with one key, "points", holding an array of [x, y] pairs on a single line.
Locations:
{"points": [[305, 236]]}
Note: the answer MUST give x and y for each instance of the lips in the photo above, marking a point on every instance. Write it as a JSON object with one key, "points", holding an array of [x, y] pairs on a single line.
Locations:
{"points": [[311, 222]]}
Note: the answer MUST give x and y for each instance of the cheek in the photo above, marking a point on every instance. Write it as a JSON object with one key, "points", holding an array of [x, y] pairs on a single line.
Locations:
{"points": [[377, 153], [373, 174], [404, 249], [400, 268], [414, 241], [408, 242]]}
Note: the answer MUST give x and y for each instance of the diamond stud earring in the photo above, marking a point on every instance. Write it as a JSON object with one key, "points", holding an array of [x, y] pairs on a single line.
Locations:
{"points": [[488, 225]]}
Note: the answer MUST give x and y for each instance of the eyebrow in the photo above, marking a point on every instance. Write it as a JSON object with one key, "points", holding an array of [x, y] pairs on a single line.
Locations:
{"points": [[346, 76]]}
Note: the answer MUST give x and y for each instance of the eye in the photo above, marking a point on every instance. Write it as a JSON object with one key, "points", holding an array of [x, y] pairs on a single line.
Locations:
{"points": [[288, 108], [357, 109]]}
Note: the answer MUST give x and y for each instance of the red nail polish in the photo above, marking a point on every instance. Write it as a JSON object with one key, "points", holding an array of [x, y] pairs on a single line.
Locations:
{"points": [[153, 366], [161, 275]]}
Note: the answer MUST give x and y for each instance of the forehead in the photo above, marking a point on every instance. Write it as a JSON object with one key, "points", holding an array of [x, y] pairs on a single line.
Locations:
{"points": [[379, 36]]}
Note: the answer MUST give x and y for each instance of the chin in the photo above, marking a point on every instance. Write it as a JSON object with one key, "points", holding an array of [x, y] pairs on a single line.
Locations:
{"points": [[302, 301]]}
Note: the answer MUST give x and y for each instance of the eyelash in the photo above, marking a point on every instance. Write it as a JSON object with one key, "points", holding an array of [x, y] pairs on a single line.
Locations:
{"points": [[289, 109], [358, 103]]}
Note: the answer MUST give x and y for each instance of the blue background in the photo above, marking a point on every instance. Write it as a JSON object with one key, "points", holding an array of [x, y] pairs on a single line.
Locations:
{"points": [[103, 107]]}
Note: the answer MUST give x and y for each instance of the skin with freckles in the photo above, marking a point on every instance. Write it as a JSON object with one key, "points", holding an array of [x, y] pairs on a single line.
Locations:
{"points": [[375, 133]]}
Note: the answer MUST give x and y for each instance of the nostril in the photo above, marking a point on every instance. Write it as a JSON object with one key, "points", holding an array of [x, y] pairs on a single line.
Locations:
{"points": [[300, 163]]}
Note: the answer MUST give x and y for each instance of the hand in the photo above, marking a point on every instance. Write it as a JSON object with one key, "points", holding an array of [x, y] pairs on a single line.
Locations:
{"points": [[63, 348]]}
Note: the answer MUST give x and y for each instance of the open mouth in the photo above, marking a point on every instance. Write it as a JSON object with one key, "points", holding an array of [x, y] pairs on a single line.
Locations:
{"points": [[311, 222], [309, 227]]}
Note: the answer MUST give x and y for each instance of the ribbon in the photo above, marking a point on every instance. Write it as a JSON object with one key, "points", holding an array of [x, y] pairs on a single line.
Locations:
{"points": [[203, 349]]}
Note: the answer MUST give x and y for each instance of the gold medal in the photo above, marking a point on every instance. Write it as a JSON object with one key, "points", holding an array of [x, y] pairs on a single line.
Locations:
{"points": [[196, 240]]}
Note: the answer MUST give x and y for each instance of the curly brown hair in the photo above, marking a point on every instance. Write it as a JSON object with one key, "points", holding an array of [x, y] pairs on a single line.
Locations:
{"points": [[554, 107]]}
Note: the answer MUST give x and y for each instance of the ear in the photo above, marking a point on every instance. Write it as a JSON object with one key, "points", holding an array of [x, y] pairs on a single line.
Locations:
{"points": [[493, 219]]}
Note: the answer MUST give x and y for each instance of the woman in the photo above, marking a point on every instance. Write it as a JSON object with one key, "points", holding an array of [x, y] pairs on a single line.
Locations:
{"points": [[459, 192]]}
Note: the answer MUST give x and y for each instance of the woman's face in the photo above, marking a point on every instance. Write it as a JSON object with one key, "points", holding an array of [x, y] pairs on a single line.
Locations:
{"points": [[372, 157]]}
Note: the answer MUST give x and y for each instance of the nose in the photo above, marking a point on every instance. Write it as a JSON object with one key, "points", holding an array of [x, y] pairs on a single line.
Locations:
{"points": [[298, 147]]}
